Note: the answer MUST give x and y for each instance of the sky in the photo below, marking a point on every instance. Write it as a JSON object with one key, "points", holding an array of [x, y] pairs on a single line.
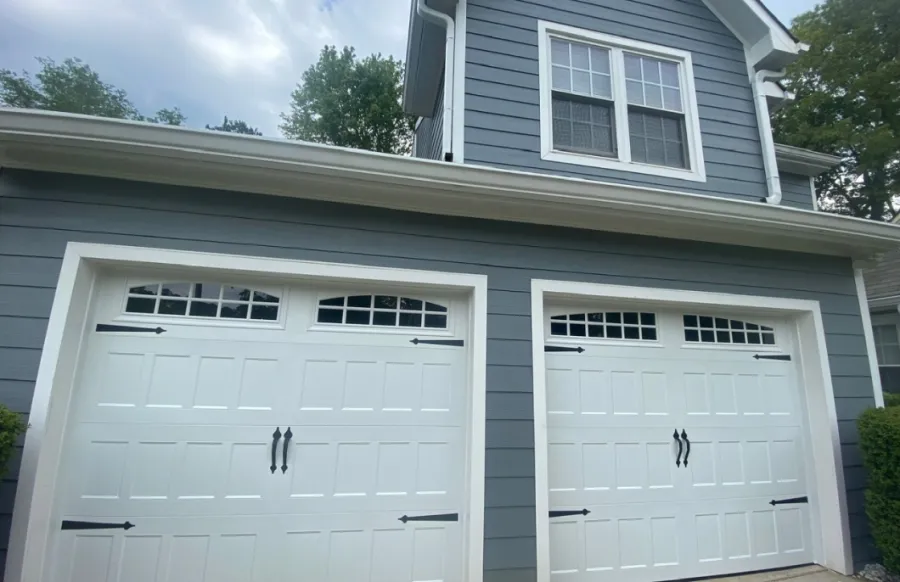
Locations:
{"points": [[211, 58]]}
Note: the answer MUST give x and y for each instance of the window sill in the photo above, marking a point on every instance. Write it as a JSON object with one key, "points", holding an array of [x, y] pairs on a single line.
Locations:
{"points": [[614, 164]]}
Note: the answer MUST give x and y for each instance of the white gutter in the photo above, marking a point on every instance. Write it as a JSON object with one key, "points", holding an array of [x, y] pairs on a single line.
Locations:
{"points": [[444, 20], [770, 162]]}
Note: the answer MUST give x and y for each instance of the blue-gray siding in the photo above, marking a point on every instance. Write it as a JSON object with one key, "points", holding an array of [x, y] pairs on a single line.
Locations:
{"points": [[40, 213], [430, 135], [502, 125], [796, 191]]}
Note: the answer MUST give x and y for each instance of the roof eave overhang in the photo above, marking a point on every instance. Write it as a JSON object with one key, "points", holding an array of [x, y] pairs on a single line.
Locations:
{"points": [[795, 160], [151, 153]]}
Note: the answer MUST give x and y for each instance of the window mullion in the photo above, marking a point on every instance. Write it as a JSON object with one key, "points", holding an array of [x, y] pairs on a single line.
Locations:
{"points": [[620, 103]]}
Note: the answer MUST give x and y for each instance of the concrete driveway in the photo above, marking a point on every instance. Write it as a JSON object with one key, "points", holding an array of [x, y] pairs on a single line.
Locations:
{"points": [[804, 574]]}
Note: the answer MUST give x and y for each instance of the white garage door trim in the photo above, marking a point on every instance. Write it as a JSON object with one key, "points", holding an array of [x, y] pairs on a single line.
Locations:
{"points": [[34, 514], [828, 496]]}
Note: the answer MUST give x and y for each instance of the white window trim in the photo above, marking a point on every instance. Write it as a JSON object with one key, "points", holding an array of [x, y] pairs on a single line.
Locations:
{"points": [[35, 522], [697, 170]]}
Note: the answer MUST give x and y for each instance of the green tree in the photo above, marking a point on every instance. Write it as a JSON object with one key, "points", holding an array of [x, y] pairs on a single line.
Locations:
{"points": [[848, 102], [74, 87], [348, 102], [235, 126]]}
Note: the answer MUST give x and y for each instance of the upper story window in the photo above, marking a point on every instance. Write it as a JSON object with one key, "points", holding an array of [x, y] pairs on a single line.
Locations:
{"points": [[619, 104], [887, 344]]}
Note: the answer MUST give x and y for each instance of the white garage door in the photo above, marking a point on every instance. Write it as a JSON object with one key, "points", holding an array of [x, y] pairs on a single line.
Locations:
{"points": [[269, 434], [668, 442]]}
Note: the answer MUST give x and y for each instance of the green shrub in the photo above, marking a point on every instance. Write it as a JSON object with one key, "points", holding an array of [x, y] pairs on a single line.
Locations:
{"points": [[879, 433], [11, 426], [891, 399]]}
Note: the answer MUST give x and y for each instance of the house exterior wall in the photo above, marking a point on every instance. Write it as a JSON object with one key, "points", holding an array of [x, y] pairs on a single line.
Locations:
{"points": [[40, 213], [502, 115], [430, 134], [796, 191]]}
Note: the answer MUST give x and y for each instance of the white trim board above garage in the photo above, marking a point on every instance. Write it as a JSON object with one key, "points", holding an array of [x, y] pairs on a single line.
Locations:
{"points": [[56, 142]]}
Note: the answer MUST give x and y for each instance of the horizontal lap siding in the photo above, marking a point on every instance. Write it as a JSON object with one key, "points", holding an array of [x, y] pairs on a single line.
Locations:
{"points": [[430, 134], [502, 122], [796, 191], [40, 213]]}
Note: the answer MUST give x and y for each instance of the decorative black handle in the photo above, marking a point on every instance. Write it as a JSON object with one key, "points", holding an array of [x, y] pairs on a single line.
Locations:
{"points": [[287, 440], [276, 436], [680, 448], [687, 453]]}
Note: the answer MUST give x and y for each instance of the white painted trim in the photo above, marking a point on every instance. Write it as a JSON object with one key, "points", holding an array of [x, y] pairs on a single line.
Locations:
{"points": [[459, 85], [828, 496], [812, 191], [616, 46], [35, 517], [877, 391]]}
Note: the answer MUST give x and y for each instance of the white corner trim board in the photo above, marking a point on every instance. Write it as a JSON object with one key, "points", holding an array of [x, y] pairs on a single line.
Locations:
{"points": [[828, 503], [36, 519], [878, 392]]}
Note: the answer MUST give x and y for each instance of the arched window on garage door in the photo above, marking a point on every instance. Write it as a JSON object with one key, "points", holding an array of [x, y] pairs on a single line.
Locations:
{"points": [[203, 300], [383, 311]]}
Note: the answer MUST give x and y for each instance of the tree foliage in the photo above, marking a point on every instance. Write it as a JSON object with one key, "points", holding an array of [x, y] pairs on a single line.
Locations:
{"points": [[348, 102], [235, 126], [848, 102]]}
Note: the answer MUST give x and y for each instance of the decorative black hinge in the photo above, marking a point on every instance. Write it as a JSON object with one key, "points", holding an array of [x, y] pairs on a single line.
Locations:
{"points": [[435, 517], [803, 499], [568, 513], [579, 349], [128, 328], [66, 524], [782, 357], [457, 343]]}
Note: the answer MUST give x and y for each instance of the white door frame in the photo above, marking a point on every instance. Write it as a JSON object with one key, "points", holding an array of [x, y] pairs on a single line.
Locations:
{"points": [[828, 497], [35, 520]]}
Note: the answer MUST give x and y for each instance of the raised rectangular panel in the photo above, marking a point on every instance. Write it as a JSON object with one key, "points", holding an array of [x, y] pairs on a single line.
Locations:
{"points": [[764, 540], [786, 461], [91, 558], [702, 464], [151, 469], [723, 394], [260, 382], [600, 545], [730, 462], [322, 385], [631, 466], [433, 468], [709, 537], [565, 551], [188, 557], [103, 469], [121, 382], [664, 532], [756, 461], [789, 522], [396, 469], [307, 552], [779, 395], [660, 462], [564, 463], [626, 396], [656, 393], [217, 383], [315, 469], [596, 459], [428, 553], [348, 555], [171, 381], [355, 471], [737, 536], [634, 543], [401, 386], [391, 557], [247, 468], [437, 387], [562, 392], [139, 558], [232, 558], [696, 394], [750, 397], [594, 392], [362, 386], [200, 471]]}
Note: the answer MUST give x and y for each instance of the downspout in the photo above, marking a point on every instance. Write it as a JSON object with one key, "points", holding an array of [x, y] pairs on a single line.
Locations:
{"points": [[444, 20], [767, 140]]}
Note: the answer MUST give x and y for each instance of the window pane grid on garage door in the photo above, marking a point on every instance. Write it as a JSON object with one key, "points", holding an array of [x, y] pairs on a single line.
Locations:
{"points": [[629, 325], [202, 300], [383, 311], [720, 330]]}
